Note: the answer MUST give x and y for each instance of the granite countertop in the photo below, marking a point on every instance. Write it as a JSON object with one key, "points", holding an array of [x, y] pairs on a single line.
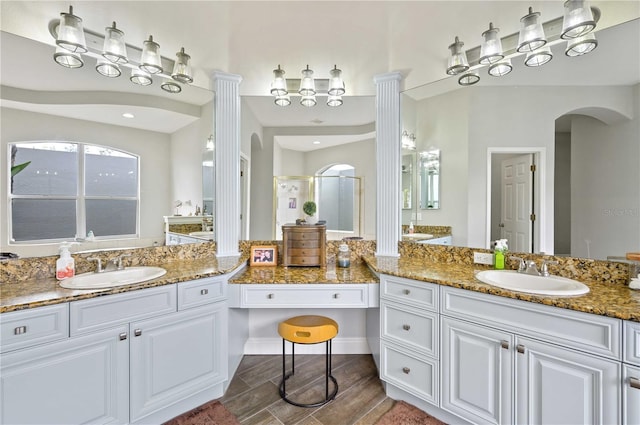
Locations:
{"points": [[613, 300], [42, 292], [357, 273]]}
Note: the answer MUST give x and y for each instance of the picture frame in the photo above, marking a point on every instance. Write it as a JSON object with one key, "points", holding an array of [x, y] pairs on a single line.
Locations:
{"points": [[263, 255]]}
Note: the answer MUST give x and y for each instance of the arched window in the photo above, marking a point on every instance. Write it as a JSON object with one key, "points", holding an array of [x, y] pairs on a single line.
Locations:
{"points": [[66, 190]]}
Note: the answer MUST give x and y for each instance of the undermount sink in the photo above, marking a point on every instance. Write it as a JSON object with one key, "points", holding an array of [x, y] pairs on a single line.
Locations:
{"points": [[202, 234], [540, 285], [418, 236], [111, 279]]}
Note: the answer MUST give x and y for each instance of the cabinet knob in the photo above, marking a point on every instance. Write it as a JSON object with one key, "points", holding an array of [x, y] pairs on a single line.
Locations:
{"points": [[406, 370], [271, 296], [406, 292], [504, 344], [520, 348], [406, 327], [336, 296], [634, 383], [137, 332], [204, 292], [20, 330], [122, 336]]}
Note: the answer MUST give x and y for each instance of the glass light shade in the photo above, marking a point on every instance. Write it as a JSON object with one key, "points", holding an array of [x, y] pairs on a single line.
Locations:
{"points": [[336, 84], [181, 69], [334, 101], [209, 145], [501, 68], [408, 141], [171, 87], [70, 33], [491, 49], [279, 83], [578, 19], [114, 48], [458, 60], [539, 57], [150, 60], [531, 36], [468, 79], [308, 101], [307, 85], [283, 100], [140, 77], [108, 68], [67, 59], [581, 45]]}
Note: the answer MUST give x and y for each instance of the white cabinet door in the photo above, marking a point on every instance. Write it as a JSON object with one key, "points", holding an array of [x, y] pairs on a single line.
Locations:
{"points": [[477, 372], [175, 357], [555, 385], [631, 394], [75, 381]]}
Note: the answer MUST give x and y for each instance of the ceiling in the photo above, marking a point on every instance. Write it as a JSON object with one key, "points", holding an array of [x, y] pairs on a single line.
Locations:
{"points": [[251, 38]]}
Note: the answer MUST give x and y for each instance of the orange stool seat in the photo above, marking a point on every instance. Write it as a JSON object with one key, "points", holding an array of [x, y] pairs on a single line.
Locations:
{"points": [[308, 330]]}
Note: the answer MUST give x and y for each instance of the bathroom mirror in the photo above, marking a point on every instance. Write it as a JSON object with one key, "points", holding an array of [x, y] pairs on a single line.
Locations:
{"points": [[168, 131], [429, 169], [407, 180], [573, 115]]}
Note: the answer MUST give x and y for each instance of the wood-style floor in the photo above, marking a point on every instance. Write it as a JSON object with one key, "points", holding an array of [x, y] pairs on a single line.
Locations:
{"points": [[253, 396]]}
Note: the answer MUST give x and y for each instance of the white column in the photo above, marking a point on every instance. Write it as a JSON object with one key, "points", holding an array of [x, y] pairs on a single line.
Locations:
{"points": [[387, 163], [227, 162]]}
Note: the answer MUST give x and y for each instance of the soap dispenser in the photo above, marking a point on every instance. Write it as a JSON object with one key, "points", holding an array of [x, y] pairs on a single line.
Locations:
{"points": [[65, 265], [499, 253]]}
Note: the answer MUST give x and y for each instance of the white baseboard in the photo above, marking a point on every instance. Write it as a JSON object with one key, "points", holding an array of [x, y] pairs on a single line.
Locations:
{"points": [[338, 346]]}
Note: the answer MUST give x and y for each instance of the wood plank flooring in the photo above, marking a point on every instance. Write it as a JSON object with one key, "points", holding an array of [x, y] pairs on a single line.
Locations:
{"points": [[253, 395]]}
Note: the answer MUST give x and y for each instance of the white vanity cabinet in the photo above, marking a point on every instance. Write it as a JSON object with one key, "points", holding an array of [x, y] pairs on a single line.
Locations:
{"points": [[631, 374]]}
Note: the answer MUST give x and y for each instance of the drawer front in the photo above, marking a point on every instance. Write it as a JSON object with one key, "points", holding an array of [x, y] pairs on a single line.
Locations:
{"points": [[302, 244], [582, 331], [34, 326], [303, 252], [632, 342], [304, 235], [410, 327], [321, 296], [419, 294], [410, 372], [302, 261], [200, 292], [630, 395], [106, 312]]}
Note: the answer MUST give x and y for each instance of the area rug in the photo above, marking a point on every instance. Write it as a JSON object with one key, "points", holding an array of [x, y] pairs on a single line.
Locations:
{"points": [[403, 413], [212, 413]]}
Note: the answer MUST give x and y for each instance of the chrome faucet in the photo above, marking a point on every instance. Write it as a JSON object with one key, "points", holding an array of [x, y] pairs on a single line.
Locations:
{"points": [[529, 266], [522, 266], [544, 269], [99, 263], [120, 265]]}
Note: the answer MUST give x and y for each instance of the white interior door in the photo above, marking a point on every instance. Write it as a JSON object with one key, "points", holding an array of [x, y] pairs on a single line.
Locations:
{"points": [[517, 202]]}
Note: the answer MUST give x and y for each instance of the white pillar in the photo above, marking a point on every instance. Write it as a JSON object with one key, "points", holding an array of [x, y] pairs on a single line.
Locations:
{"points": [[227, 162], [387, 163]]}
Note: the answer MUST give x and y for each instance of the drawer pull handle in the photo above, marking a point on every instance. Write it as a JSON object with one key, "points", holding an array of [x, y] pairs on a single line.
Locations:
{"points": [[122, 336], [271, 296], [634, 383], [20, 330], [406, 370], [204, 292], [520, 348], [336, 296], [504, 344], [406, 292], [137, 332], [406, 327]]}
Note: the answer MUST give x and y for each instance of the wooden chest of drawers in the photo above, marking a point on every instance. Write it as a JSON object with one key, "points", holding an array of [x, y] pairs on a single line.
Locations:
{"points": [[304, 245]]}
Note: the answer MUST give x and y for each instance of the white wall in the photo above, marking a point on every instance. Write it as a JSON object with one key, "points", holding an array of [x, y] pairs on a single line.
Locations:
{"points": [[153, 148]]}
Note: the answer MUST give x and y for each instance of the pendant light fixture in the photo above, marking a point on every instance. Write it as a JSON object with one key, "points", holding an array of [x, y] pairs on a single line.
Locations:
{"points": [[458, 60], [279, 84], [307, 85], [336, 85], [468, 79], [70, 33], [539, 57], [501, 68], [114, 48], [283, 100], [150, 60], [182, 69], [308, 101], [171, 87], [67, 59], [491, 49], [108, 68], [334, 101], [581, 45], [531, 36], [140, 77], [578, 19]]}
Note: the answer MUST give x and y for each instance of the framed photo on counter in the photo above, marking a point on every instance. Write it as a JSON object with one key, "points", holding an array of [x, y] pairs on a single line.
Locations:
{"points": [[264, 255]]}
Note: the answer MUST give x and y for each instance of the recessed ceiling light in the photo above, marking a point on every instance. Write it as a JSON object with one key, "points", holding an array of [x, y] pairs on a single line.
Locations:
{"points": [[128, 115], [316, 142]]}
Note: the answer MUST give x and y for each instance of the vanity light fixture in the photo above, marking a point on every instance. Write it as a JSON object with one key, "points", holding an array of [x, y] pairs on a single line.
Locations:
{"points": [[279, 84], [533, 41], [283, 100], [308, 88], [209, 144], [307, 84], [408, 141], [336, 84], [308, 101], [71, 44], [334, 101]]}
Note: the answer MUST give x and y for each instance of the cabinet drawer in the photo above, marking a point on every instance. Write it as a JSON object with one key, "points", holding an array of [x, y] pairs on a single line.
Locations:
{"points": [[199, 292], [302, 244], [630, 395], [25, 328], [419, 294], [573, 329], [311, 235], [303, 252], [303, 261], [632, 342], [105, 312], [410, 372], [279, 296], [410, 327]]}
